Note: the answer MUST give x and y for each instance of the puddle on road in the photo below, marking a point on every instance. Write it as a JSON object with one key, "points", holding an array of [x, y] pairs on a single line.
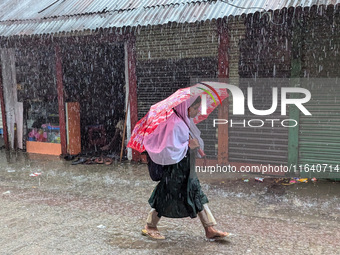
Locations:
{"points": [[119, 193], [130, 183]]}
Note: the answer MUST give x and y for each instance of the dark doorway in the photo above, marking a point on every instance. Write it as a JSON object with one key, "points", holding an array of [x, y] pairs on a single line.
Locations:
{"points": [[94, 76]]}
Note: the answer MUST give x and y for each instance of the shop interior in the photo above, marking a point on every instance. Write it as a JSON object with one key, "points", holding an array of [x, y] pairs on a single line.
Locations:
{"points": [[93, 76], [35, 77]]}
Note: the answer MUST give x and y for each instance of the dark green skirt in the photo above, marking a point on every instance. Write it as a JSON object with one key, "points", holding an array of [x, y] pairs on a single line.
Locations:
{"points": [[179, 193]]}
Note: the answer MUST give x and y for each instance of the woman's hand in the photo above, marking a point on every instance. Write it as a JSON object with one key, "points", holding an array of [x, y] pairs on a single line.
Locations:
{"points": [[193, 143]]}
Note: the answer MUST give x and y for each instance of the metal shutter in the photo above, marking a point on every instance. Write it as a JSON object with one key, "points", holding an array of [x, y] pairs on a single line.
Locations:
{"points": [[319, 134], [264, 53], [259, 144]]}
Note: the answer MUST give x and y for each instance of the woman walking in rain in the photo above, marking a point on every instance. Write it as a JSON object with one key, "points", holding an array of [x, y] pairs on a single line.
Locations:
{"points": [[178, 194]]}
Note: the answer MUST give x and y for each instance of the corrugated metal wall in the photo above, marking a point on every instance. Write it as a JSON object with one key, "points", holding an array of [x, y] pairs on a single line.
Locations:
{"points": [[265, 53], [263, 144], [169, 58], [319, 134]]}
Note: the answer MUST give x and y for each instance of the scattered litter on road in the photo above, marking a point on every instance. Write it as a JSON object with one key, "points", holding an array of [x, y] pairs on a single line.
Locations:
{"points": [[292, 181], [35, 174], [101, 226], [7, 192], [303, 180], [10, 171], [259, 179], [246, 180], [313, 179]]}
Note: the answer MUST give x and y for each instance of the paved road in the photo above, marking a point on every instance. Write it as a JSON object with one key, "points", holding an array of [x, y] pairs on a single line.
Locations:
{"points": [[98, 209]]}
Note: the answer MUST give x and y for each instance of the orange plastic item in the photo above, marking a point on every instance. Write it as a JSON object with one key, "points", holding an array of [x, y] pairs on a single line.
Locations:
{"points": [[43, 148]]}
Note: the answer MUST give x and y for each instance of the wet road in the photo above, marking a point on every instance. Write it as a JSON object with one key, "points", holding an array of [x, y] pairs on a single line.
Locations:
{"points": [[99, 209]]}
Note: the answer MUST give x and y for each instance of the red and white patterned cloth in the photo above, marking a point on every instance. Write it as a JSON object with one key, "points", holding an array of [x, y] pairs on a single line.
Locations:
{"points": [[162, 110]]}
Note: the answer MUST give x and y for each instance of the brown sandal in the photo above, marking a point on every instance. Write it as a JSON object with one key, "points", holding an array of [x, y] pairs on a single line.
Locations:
{"points": [[220, 235], [99, 160], [153, 234], [89, 161], [108, 161]]}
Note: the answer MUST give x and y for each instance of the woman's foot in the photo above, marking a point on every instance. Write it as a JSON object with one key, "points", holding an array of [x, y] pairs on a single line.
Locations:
{"points": [[152, 233], [212, 233]]}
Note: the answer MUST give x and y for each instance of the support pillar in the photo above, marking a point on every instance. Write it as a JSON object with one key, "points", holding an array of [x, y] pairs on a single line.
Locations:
{"points": [[223, 74], [296, 63], [3, 112], [9, 88], [61, 103], [132, 83]]}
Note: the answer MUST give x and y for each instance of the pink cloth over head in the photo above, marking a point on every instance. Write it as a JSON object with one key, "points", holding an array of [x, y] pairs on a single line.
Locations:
{"points": [[168, 144]]}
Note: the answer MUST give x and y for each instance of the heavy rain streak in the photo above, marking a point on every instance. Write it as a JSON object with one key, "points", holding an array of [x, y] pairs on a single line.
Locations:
{"points": [[75, 150]]}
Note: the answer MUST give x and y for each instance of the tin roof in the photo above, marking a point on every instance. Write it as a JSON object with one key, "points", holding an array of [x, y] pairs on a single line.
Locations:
{"points": [[28, 17]]}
